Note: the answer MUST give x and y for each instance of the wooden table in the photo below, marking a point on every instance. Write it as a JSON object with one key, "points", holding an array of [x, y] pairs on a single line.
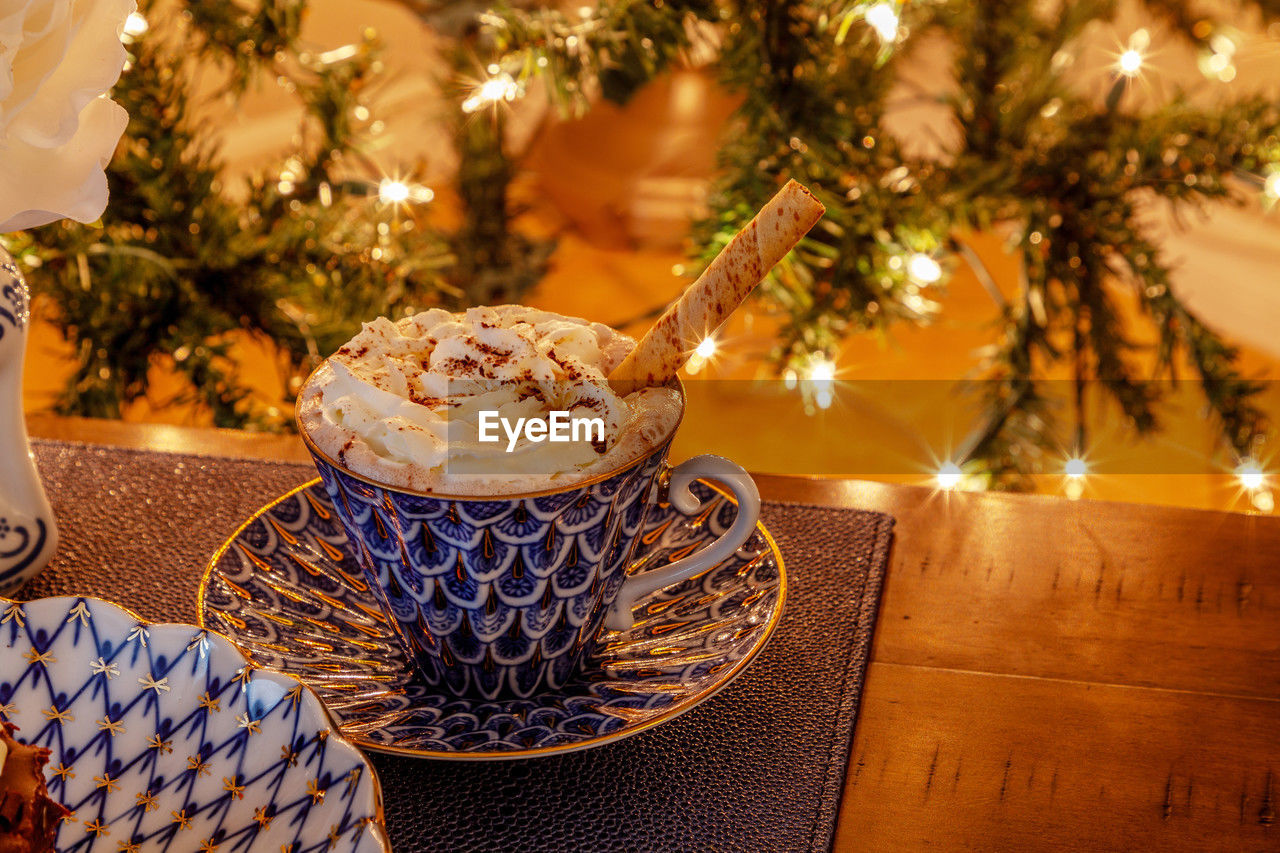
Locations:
{"points": [[1046, 674]]}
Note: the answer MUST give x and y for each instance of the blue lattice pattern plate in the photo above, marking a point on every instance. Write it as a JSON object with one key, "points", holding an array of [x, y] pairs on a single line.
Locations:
{"points": [[285, 590], [165, 738]]}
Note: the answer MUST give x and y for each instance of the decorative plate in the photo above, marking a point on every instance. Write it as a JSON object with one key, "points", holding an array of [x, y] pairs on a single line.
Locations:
{"points": [[286, 591], [165, 738]]}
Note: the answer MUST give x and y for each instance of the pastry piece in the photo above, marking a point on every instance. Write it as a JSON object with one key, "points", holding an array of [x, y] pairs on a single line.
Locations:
{"points": [[726, 281], [28, 817]]}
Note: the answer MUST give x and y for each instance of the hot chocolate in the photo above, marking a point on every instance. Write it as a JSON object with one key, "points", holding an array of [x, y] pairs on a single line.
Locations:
{"points": [[448, 403]]}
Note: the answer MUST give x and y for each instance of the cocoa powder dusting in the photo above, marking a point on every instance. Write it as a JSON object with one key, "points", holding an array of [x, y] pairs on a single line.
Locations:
{"points": [[501, 355], [571, 371], [532, 391], [421, 399], [461, 364]]}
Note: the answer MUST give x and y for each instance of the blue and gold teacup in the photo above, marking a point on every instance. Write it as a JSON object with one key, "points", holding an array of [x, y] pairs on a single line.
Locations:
{"points": [[506, 595]]}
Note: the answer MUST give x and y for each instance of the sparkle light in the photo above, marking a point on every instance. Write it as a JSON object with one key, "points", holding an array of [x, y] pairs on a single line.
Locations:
{"points": [[883, 18], [701, 355], [1130, 62], [949, 476], [1076, 468], [821, 369], [393, 192], [818, 375], [923, 268], [1271, 186], [1250, 475], [135, 25], [500, 87]]}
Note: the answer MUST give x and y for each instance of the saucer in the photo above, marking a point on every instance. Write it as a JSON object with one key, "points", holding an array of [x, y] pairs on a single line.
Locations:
{"points": [[163, 737], [284, 589]]}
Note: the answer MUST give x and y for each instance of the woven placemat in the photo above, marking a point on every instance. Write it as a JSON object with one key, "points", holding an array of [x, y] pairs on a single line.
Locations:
{"points": [[760, 766]]}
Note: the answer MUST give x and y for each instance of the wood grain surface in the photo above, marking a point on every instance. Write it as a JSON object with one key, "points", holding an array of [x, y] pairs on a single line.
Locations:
{"points": [[1047, 674]]}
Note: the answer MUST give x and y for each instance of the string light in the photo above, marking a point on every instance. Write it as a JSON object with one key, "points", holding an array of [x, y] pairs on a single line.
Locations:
{"points": [[1131, 60], [1250, 475], [339, 54], [500, 87], [923, 268], [949, 476], [821, 369], [1217, 61], [702, 353], [818, 376], [1074, 469], [391, 191], [883, 18], [135, 25], [1271, 186]]}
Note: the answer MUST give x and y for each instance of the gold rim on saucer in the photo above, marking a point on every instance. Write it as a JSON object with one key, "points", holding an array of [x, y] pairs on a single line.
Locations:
{"points": [[665, 715]]}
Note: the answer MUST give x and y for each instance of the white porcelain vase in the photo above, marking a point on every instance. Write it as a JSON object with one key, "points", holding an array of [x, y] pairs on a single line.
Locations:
{"points": [[28, 535]]}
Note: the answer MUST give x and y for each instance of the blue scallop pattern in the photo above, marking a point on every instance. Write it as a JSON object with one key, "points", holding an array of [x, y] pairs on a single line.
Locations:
{"points": [[307, 609], [496, 597]]}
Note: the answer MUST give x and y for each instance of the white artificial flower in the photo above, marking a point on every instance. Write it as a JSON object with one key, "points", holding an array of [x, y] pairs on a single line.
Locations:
{"points": [[58, 59]]}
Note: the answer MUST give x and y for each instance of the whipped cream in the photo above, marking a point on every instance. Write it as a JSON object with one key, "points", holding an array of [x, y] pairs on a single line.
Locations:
{"points": [[400, 403]]}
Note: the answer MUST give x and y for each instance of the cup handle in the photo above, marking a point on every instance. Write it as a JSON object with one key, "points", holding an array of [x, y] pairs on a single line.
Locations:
{"points": [[747, 496]]}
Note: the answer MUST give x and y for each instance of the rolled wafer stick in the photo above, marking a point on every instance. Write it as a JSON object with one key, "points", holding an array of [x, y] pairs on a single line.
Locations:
{"points": [[721, 288]]}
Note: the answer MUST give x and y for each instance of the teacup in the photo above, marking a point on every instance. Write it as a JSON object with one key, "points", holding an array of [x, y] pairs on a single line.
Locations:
{"points": [[505, 595]]}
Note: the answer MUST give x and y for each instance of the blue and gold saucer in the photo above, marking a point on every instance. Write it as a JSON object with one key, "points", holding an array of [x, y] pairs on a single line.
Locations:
{"points": [[284, 589]]}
